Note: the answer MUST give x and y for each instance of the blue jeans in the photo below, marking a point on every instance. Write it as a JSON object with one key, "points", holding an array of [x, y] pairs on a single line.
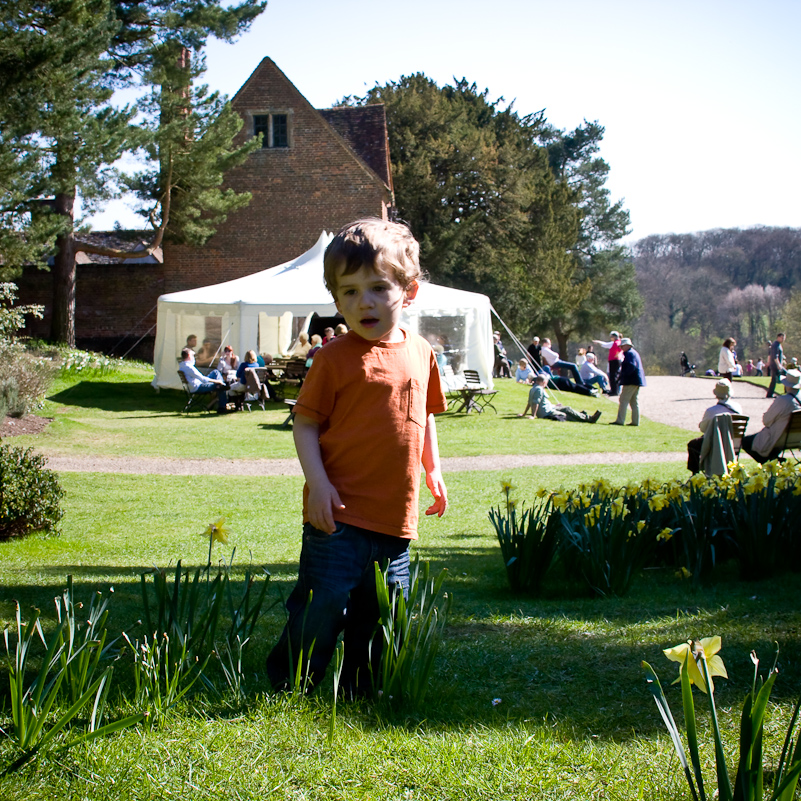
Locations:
{"points": [[570, 366], [596, 379], [208, 386], [338, 571]]}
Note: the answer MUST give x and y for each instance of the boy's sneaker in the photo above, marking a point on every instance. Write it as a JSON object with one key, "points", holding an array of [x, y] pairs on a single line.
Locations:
{"points": [[594, 418]]}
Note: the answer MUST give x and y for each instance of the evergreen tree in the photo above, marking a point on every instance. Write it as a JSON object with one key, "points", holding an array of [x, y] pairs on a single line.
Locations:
{"points": [[73, 54], [476, 188], [602, 291]]}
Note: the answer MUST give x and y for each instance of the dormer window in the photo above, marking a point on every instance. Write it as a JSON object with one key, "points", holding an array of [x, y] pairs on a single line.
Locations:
{"points": [[274, 129]]}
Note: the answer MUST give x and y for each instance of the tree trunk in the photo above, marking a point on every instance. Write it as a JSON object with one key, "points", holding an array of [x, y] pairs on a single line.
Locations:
{"points": [[561, 339], [62, 324]]}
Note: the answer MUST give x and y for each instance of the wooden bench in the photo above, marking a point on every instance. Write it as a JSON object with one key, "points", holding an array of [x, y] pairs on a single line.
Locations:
{"points": [[792, 435]]}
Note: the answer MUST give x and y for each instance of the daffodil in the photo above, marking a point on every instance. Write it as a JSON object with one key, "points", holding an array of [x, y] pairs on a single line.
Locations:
{"points": [[683, 573], [688, 654], [664, 535], [216, 532], [640, 525], [506, 485]]}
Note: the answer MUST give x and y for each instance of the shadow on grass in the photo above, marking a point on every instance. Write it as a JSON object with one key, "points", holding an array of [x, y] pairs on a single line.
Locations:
{"points": [[111, 396], [570, 662]]}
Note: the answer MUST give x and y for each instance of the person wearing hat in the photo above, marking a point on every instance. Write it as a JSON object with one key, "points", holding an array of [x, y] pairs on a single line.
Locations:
{"points": [[762, 446], [632, 377], [724, 405], [615, 360]]}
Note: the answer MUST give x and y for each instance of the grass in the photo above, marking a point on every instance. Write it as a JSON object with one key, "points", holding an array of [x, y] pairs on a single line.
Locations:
{"points": [[121, 415], [532, 698]]}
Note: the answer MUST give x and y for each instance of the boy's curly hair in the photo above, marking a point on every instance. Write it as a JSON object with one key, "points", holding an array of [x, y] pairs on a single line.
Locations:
{"points": [[360, 243]]}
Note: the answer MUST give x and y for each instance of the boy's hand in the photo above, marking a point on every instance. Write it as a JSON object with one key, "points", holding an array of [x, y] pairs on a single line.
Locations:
{"points": [[436, 485], [323, 500]]}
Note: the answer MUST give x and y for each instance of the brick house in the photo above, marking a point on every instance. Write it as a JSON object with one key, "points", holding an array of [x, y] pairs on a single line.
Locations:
{"points": [[316, 170]]}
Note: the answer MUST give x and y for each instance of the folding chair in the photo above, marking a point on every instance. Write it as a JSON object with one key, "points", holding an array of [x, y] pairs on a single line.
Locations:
{"points": [[480, 397], [256, 392], [193, 399]]}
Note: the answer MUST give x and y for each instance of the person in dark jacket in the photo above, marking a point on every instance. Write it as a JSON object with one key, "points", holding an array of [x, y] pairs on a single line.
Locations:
{"points": [[632, 377]]}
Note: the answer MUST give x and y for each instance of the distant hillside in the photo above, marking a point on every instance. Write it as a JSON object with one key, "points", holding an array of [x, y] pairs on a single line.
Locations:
{"points": [[700, 288]]}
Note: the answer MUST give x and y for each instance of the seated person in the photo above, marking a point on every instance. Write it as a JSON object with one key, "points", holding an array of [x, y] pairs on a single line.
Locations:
{"points": [[328, 335], [442, 359], [551, 361], [206, 353], [592, 374], [724, 405], [200, 384], [229, 361], [316, 344], [524, 374], [762, 446], [340, 330], [239, 387], [301, 348], [541, 406], [561, 384], [502, 368]]}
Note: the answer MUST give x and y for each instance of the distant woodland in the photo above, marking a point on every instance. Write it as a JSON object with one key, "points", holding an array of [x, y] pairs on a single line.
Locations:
{"points": [[697, 289]]}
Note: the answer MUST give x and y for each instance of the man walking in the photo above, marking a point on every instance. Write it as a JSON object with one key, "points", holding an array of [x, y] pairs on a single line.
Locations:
{"points": [[775, 363], [632, 377]]}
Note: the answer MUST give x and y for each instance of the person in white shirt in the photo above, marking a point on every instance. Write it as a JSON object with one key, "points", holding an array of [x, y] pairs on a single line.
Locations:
{"points": [[551, 361], [592, 374], [726, 361], [200, 384]]}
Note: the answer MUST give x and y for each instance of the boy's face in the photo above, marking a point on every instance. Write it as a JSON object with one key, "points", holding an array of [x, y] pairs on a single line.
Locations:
{"points": [[372, 301]]}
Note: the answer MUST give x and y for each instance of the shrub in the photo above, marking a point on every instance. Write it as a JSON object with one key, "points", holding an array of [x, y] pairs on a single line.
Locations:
{"points": [[26, 378], [30, 494]]}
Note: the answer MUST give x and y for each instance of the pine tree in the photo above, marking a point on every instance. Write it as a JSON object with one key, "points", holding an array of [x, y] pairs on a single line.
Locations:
{"points": [[68, 132]]}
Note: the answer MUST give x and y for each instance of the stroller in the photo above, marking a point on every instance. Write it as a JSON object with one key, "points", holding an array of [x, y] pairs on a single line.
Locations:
{"points": [[686, 367]]}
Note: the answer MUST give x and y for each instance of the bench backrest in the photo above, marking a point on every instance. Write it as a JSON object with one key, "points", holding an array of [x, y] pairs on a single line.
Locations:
{"points": [[792, 434]]}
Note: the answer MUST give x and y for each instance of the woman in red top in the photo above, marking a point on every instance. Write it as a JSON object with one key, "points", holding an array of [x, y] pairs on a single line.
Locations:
{"points": [[615, 360]]}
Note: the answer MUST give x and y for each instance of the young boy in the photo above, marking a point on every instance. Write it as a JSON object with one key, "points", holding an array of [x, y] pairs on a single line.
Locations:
{"points": [[364, 422], [541, 406]]}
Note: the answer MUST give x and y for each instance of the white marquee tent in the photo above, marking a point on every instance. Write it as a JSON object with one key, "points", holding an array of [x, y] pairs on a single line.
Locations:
{"points": [[258, 311]]}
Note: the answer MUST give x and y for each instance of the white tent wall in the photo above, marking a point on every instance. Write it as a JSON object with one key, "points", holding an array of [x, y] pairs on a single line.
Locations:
{"points": [[257, 311]]}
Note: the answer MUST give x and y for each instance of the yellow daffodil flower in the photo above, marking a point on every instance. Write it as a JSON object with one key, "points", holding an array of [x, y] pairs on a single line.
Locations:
{"points": [[217, 532], [683, 573], [664, 535], [506, 485], [640, 526], [688, 654]]}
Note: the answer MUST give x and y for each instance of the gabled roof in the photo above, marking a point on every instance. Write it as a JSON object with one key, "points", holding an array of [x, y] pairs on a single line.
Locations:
{"points": [[364, 128]]}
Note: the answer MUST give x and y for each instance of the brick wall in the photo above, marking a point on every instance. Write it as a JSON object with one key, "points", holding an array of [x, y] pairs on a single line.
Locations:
{"points": [[315, 184], [114, 305]]}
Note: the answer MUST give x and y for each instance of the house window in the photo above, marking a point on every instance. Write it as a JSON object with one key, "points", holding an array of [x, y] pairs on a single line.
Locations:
{"points": [[274, 129]]}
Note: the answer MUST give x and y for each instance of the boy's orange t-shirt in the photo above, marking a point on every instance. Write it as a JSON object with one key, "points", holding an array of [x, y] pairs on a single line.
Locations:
{"points": [[371, 400]]}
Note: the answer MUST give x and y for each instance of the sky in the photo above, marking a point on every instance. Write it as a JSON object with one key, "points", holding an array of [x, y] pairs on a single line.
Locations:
{"points": [[700, 100]]}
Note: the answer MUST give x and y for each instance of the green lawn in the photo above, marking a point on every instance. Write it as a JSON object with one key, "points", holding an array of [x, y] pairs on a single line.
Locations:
{"points": [[122, 415], [531, 698]]}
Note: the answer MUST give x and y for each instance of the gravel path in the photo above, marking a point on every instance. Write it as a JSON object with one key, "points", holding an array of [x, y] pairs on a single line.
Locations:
{"points": [[667, 399]]}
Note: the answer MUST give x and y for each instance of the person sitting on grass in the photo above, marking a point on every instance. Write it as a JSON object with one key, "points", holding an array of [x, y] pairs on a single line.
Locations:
{"points": [[541, 406], [592, 374], [200, 384], [364, 423], [524, 373]]}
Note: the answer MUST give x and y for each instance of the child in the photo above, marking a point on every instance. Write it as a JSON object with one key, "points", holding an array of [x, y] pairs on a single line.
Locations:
{"points": [[541, 406], [524, 373], [364, 422]]}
